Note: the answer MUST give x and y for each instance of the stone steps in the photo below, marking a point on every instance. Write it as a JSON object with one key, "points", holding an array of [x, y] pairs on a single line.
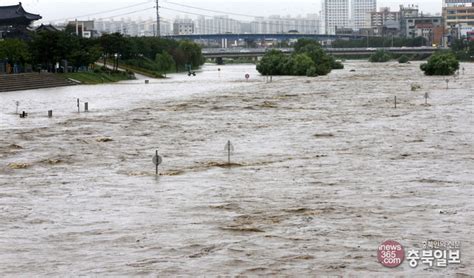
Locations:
{"points": [[31, 81]]}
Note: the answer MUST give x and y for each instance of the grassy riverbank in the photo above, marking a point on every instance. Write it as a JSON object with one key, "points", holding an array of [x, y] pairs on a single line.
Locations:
{"points": [[97, 77], [141, 70]]}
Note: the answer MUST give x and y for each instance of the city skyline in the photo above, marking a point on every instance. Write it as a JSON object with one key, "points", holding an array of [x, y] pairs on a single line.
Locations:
{"points": [[57, 11]]}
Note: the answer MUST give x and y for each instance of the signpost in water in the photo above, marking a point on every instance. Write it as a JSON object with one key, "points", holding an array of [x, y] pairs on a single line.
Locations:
{"points": [[229, 148], [157, 160]]}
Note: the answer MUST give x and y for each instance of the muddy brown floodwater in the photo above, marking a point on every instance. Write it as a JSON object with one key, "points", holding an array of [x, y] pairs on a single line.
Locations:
{"points": [[324, 170]]}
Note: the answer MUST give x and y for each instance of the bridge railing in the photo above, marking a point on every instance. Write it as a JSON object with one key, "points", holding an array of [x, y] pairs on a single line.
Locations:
{"points": [[329, 49]]}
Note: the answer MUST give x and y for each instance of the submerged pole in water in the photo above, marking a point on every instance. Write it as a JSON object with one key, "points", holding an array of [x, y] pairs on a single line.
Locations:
{"points": [[157, 161], [426, 98], [78, 107], [228, 154], [86, 107], [229, 148], [395, 102], [156, 164], [447, 84], [50, 113]]}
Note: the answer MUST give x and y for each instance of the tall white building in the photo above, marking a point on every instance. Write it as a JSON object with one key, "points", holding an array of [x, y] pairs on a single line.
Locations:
{"points": [[217, 25], [335, 14], [132, 28], [276, 24], [360, 12]]}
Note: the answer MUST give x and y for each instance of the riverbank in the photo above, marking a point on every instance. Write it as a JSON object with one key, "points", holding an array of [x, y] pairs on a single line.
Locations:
{"points": [[97, 77]]}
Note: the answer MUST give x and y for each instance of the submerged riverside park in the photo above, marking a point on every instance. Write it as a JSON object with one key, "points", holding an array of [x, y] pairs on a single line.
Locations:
{"points": [[324, 170]]}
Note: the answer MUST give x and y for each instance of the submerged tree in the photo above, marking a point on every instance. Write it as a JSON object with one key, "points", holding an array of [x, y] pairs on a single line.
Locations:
{"points": [[165, 61], [441, 63], [309, 59], [381, 56], [403, 59]]}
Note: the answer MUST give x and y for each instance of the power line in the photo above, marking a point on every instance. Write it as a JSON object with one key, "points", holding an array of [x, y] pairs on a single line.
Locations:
{"points": [[102, 12], [209, 10], [124, 27], [132, 12], [264, 24], [223, 12]]}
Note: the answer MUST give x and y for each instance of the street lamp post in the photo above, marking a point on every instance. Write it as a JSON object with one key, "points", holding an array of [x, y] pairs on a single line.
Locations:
{"points": [[367, 38]]}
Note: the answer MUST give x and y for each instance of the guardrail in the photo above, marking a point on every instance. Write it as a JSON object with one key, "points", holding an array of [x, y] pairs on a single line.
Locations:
{"points": [[246, 52]]}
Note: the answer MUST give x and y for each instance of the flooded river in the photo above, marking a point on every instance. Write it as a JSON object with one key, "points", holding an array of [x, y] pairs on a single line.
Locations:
{"points": [[324, 169]]}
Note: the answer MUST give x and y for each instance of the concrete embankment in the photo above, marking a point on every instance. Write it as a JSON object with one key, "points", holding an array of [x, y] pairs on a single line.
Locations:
{"points": [[29, 81]]}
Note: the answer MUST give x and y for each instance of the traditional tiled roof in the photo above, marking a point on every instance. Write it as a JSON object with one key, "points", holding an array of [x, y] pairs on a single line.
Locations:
{"points": [[16, 14], [48, 27]]}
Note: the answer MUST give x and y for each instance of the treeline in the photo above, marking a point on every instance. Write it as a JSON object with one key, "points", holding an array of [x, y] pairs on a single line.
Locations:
{"points": [[48, 49], [309, 59], [380, 42], [463, 49]]}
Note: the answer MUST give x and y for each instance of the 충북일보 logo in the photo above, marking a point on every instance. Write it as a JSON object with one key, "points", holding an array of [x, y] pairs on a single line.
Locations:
{"points": [[435, 253], [391, 253]]}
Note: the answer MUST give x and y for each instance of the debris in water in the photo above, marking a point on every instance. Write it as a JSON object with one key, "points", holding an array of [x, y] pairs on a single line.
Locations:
{"points": [[104, 140], [52, 161], [242, 229], [415, 87], [318, 135], [19, 165], [15, 146]]}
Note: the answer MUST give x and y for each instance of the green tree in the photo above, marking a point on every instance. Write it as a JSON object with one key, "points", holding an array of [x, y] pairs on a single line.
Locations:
{"points": [[192, 53], [48, 48], [403, 59], [272, 63], [16, 51], [471, 50], [441, 63], [309, 59], [165, 61], [301, 43], [301, 64], [380, 56], [113, 46]]}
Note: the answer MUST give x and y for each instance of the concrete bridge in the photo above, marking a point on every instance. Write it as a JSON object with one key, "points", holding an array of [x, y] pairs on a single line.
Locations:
{"points": [[259, 52], [255, 37]]}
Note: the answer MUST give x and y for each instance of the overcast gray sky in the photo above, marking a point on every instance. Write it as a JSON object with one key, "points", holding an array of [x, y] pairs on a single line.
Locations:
{"points": [[52, 10]]}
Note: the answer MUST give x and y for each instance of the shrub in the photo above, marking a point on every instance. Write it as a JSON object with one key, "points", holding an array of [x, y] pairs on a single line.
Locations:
{"points": [[302, 63], [381, 56], [311, 72], [337, 65], [403, 59], [309, 59], [441, 63]]}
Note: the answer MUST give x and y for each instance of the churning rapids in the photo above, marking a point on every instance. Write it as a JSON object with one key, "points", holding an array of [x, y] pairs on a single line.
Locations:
{"points": [[324, 170]]}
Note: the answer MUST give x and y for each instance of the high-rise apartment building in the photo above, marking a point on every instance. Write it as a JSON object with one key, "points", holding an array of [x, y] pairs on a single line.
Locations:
{"points": [[360, 12], [384, 15], [217, 25], [335, 14], [459, 15], [276, 24], [183, 26]]}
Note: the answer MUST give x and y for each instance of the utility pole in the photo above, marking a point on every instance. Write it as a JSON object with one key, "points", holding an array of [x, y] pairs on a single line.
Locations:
{"points": [[157, 19]]}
